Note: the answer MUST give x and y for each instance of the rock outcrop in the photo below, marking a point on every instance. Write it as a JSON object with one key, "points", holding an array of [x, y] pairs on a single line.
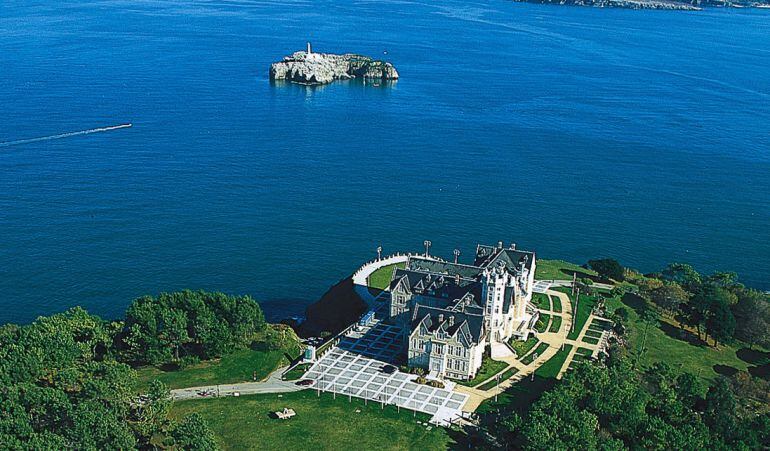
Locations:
{"points": [[309, 67], [336, 309]]}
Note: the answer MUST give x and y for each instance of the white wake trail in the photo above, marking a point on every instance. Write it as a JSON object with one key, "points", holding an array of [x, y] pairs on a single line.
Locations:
{"points": [[64, 135]]}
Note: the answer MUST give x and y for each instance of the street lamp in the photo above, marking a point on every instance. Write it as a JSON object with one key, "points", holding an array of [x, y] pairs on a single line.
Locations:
{"points": [[457, 254], [427, 245]]}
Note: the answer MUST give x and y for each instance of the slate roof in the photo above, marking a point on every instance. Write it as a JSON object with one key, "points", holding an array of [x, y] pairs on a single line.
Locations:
{"points": [[452, 269], [472, 324], [488, 256], [435, 285]]}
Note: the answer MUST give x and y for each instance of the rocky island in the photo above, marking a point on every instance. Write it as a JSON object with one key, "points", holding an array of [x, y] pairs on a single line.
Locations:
{"points": [[308, 67]]}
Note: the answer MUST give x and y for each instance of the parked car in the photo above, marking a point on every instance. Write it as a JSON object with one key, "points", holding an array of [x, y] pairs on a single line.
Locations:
{"points": [[305, 382]]}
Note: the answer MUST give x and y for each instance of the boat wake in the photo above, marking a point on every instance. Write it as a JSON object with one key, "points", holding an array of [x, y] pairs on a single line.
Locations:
{"points": [[64, 135]]}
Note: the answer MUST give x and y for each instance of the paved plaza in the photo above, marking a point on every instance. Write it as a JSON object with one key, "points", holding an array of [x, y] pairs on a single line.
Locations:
{"points": [[541, 286], [355, 368]]}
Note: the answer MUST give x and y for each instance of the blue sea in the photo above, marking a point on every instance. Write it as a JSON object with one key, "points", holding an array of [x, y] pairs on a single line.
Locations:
{"points": [[574, 132]]}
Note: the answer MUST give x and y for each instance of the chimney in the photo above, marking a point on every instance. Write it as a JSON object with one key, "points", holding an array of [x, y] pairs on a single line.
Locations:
{"points": [[499, 244], [452, 320], [440, 318], [513, 246], [457, 279]]}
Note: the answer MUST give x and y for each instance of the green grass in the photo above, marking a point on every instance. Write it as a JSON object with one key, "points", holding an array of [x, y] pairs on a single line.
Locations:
{"points": [[593, 333], [529, 358], [506, 375], [555, 324], [542, 323], [541, 301], [321, 423], [553, 365], [583, 351], [590, 340], [584, 308], [523, 347], [684, 355], [296, 372], [488, 369], [556, 300], [380, 278], [237, 366], [559, 270]]}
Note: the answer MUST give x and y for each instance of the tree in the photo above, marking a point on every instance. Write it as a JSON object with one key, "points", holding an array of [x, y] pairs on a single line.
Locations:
{"points": [[683, 274], [720, 409], [151, 413], [689, 389], [185, 325], [752, 318], [724, 280], [607, 268], [193, 434], [650, 318], [720, 322], [670, 296]]}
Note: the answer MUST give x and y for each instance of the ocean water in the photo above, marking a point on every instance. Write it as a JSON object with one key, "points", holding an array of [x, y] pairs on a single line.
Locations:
{"points": [[575, 132]]}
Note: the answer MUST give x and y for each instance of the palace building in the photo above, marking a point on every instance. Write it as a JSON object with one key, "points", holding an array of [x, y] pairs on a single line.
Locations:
{"points": [[451, 312]]}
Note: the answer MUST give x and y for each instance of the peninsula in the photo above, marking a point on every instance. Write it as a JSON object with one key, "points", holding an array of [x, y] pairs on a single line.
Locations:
{"points": [[308, 67]]}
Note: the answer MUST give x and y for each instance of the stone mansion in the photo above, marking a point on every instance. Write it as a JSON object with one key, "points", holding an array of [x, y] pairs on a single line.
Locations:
{"points": [[451, 312]]}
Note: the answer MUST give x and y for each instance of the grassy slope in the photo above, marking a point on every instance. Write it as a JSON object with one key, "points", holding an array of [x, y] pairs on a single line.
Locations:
{"points": [[380, 278], [237, 366], [321, 423], [680, 354], [559, 270]]}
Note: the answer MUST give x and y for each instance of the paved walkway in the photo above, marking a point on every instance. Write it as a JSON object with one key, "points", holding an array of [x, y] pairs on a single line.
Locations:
{"points": [[273, 384], [554, 341]]}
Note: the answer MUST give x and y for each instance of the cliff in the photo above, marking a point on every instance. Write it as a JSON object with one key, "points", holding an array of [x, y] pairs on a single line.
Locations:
{"points": [[318, 68], [336, 309]]}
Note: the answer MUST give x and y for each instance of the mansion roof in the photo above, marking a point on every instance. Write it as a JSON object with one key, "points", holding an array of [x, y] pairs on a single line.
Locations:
{"points": [[436, 320]]}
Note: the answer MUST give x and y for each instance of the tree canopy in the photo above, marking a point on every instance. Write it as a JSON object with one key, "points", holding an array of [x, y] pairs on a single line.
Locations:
{"points": [[65, 384], [175, 327], [607, 268]]}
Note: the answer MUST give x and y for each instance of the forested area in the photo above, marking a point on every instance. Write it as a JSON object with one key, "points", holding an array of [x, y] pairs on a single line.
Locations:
{"points": [[68, 383]]}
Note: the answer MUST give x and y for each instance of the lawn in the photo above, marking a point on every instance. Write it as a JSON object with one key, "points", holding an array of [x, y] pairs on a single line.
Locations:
{"points": [[666, 343], [542, 322], [529, 358], [488, 369], [296, 372], [584, 308], [506, 374], [559, 270], [556, 300], [541, 301], [237, 366], [553, 365], [555, 324], [523, 347], [322, 423], [380, 278]]}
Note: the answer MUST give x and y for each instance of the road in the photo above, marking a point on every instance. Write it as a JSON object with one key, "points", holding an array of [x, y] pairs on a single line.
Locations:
{"points": [[273, 384]]}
